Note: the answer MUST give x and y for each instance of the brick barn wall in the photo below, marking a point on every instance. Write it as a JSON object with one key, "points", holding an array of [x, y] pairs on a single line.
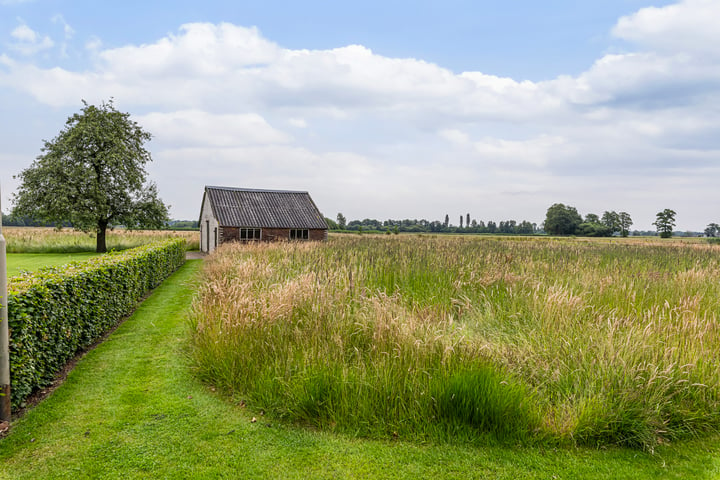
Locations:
{"points": [[318, 235], [229, 234]]}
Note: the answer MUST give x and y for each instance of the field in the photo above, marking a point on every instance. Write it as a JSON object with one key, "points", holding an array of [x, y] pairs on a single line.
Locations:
{"points": [[49, 240], [469, 339]]}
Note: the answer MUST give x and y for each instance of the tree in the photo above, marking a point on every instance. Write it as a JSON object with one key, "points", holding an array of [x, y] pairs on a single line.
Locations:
{"points": [[525, 228], [612, 221], [591, 218], [341, 221], [712, 230], [447, 221], [665, 222], [93, 176], [562, 220], [467, 220], [461, 221], [593, 229], [625, 223]]}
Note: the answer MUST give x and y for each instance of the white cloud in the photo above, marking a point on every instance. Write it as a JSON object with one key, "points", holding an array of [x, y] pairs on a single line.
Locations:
{"points": [[197, 128], [68, 31], [298, 122], [93, 44], [24, 34], [201, 50], [690, 26], [455, 136], [29, 42]]}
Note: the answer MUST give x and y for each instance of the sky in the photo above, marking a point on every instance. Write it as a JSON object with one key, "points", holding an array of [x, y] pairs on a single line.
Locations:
{"points": [[387, 109]]}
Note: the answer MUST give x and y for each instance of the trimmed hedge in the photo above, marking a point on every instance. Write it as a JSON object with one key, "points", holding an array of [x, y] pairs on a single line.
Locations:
{"points": [[58, 311]]}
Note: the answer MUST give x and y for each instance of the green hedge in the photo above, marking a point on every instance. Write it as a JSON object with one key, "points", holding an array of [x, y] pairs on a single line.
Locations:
{"points": [[58, 311]]}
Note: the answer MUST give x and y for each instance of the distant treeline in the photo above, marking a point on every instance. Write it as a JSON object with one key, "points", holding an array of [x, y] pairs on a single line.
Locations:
{"points": [[22, 221], [467, 225]]}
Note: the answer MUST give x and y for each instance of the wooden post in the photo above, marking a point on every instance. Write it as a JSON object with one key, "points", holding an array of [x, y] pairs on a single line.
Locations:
{"points": [[4, 334]]}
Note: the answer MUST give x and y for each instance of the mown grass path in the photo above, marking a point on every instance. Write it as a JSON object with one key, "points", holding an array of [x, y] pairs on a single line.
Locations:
{"points": [[132, 409]]}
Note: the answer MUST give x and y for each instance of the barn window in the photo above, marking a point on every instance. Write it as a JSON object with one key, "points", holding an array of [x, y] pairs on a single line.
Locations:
{"points": [[299, 234], [248, 234]]}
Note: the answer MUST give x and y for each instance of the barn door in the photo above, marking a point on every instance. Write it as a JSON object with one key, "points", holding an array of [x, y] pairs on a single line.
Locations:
{"points": [[207, 234]]}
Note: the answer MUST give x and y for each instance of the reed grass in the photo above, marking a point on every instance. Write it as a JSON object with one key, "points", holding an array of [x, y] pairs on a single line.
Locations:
{"points": [[500, 339], [50, 240]]}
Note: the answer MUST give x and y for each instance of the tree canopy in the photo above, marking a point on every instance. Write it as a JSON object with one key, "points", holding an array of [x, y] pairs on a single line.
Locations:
{"points": [[665, 222], [93, 176], [562, 220]]}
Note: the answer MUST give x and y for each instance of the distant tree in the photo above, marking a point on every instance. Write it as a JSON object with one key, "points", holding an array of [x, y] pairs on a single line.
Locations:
{"points": [[331, 224], [611, 220], [507, 226], [467, 220], [562, 220], [587, 229], [625, 223], [474, 223], [665, 221], [712, 230], [491, 226], [447, 221], [461, 221], [591, 218], [525, 228], [182, 224], [341, 221], [93, 175]]}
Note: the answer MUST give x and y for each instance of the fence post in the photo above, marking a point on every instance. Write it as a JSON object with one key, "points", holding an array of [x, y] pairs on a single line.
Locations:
{"points": [[4, 334]]}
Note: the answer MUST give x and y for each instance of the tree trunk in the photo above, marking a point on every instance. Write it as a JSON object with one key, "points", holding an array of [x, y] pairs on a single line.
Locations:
{"points": [[101, 229]]}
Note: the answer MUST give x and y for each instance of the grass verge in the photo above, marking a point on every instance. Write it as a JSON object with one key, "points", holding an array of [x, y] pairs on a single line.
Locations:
{"points": [[132, 409]]}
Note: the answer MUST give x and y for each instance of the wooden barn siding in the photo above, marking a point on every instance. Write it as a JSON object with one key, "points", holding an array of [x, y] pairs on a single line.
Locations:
{"points": [[229, 234]]}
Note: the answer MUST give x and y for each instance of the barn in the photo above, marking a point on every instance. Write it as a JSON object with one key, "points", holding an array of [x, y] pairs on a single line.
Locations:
{"points": [[243, 214]]}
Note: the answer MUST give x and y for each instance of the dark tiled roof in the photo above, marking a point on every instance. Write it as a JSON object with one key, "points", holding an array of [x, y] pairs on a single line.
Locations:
{"points": [[244, 207]]}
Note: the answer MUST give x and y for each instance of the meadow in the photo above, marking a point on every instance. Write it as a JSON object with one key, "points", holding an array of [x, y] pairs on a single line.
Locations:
{"points": [[474, 340], [50, 240]]}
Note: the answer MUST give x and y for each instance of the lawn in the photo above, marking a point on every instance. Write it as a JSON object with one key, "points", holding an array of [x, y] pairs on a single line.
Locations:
{"points": [[132, 408], [30, 262]]}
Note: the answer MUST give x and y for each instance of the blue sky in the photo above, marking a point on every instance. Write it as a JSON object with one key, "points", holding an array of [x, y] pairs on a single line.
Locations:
{"points": [[395, 109]]}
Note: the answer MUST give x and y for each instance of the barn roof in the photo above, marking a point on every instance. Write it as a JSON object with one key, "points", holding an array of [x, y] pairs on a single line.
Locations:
{"points": [[245, 207]]}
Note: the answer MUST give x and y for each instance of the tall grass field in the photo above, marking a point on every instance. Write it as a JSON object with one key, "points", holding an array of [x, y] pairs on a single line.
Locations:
{"points": [[468, 339], [50, 240]]}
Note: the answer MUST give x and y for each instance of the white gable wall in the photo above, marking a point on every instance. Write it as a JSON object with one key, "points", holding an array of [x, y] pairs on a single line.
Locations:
{"points": [[209, 227]]}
